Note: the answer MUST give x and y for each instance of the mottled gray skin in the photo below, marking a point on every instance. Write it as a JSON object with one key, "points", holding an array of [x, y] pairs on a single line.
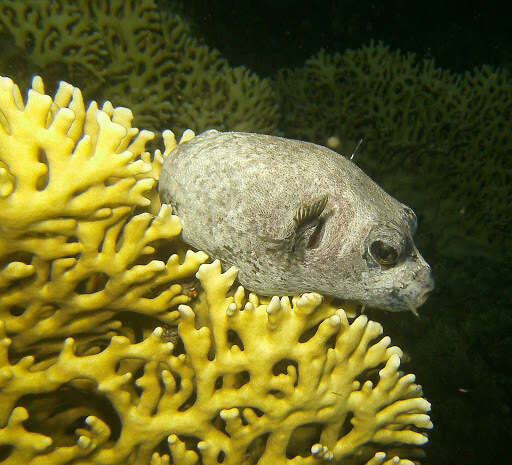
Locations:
{"points": [[238, 194]]}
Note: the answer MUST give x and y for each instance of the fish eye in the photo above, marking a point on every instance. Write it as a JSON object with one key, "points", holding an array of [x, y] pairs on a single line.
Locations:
{"points": [[383, 253]]}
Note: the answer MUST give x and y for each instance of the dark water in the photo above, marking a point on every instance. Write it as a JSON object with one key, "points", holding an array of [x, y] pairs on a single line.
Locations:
{"points": [[268, 35]]}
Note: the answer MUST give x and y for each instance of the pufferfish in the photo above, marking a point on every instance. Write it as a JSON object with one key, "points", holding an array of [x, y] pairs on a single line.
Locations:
{"points": [[295, 217]]}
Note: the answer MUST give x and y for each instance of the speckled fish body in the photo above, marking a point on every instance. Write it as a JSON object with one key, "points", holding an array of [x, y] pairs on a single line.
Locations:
{"points": [[295, 217]]}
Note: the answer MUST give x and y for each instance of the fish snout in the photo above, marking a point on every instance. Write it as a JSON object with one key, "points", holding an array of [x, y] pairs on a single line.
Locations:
{"points": [[428, 288], [424, 285]]}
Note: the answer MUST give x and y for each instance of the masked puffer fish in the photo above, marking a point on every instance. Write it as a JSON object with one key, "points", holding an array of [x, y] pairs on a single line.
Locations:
{"points": [[295, 217]]}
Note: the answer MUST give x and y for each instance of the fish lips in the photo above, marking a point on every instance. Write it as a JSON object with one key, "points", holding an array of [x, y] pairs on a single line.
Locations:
{"points": [[401, 289], [413, 296]]}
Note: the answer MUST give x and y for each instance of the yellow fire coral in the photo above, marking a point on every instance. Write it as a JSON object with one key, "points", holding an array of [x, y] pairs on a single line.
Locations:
{"points": [[107, 356], [72, 253]]}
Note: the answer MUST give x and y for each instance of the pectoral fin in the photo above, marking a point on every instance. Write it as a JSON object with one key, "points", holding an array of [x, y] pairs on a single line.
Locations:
{"points": [[306, 215]]}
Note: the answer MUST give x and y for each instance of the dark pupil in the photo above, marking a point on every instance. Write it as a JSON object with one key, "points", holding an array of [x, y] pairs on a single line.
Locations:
{"points": [[383, 253]]}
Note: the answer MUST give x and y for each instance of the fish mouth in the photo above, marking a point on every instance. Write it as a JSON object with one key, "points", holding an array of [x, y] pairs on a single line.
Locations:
{"points": [[420, 300], [408, 299], [402, 302]]}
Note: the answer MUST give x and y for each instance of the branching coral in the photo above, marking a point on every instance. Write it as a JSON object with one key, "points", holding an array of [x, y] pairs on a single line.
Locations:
{"points": [[205, 377], [251, 384], [72, 254], [386, 96], [65, 38], [141, 58]]}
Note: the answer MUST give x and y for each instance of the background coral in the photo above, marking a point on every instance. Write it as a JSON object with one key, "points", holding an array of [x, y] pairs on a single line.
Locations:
{"points": [[130, 52]]}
